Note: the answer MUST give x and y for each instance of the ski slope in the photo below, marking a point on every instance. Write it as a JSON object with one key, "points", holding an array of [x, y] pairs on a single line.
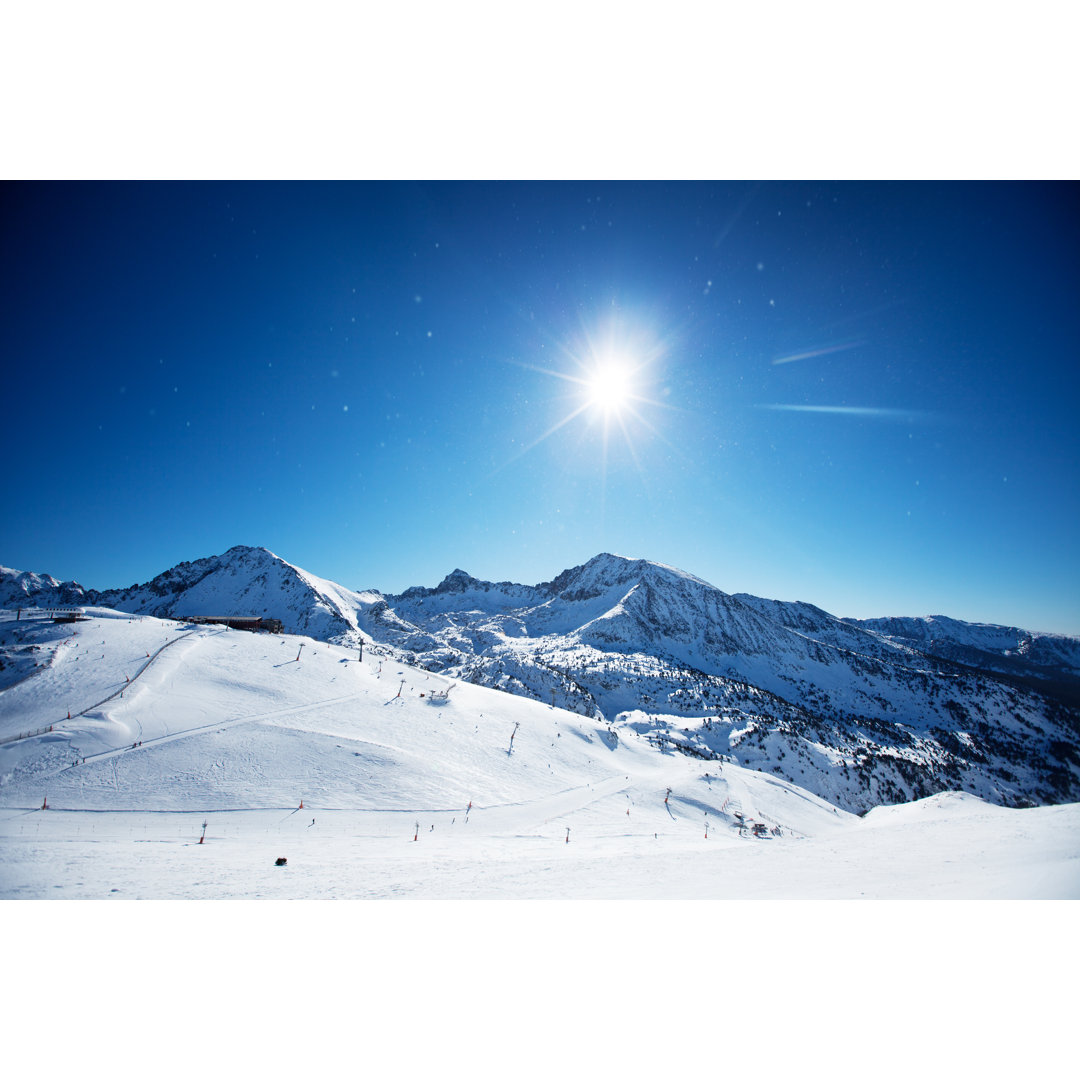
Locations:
{"points": [[184, 761]]}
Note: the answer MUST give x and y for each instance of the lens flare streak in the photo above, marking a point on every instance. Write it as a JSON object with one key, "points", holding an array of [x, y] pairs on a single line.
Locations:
{"points": [[912, 415], [826, 350]]}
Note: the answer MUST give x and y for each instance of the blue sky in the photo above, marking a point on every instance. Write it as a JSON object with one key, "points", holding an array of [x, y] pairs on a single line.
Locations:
{"points": [[859, 395]]}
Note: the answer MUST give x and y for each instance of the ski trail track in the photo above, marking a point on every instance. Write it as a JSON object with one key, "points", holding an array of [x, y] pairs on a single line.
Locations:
{"points": [[192, 643], [219, 725], [534, 813], [507, 819]]}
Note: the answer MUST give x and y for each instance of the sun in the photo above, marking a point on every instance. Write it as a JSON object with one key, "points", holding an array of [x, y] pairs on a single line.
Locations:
{"points": [[610, 387]]}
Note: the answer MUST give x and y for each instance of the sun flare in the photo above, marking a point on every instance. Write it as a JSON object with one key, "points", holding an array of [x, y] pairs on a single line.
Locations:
{"points": [[614, 372]]}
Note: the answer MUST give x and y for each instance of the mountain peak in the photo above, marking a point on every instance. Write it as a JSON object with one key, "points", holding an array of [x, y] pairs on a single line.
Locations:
{"points": [[242, 550], [606, 570], [456, 581], [458, 575]]}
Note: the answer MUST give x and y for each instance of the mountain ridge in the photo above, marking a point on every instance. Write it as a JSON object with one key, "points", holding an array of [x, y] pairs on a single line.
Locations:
{"points": [[862, 712]]}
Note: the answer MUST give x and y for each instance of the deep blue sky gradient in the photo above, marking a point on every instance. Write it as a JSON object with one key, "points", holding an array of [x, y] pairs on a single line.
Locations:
{"points": [[360, 377]]}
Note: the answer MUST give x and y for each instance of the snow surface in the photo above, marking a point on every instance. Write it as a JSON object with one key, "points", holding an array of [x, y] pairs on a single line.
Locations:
{"points": [[173, 727]]}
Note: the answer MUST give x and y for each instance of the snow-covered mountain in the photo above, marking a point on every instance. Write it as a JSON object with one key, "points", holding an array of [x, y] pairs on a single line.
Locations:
{"points": [[859, 712], [22, 588], [1003, 649], [246, 581], [856, 715], [242, 581]]}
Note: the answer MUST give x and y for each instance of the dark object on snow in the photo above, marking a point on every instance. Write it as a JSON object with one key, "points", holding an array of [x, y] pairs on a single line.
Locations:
{"points": [[238, 622], [280, 862]]}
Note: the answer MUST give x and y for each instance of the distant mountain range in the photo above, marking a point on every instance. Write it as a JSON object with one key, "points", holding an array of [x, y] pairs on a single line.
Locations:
{"points": [[861, 712]]}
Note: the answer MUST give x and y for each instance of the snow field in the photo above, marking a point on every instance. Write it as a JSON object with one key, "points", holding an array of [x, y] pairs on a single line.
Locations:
{"points": [[928, 854], [237, 730]]}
